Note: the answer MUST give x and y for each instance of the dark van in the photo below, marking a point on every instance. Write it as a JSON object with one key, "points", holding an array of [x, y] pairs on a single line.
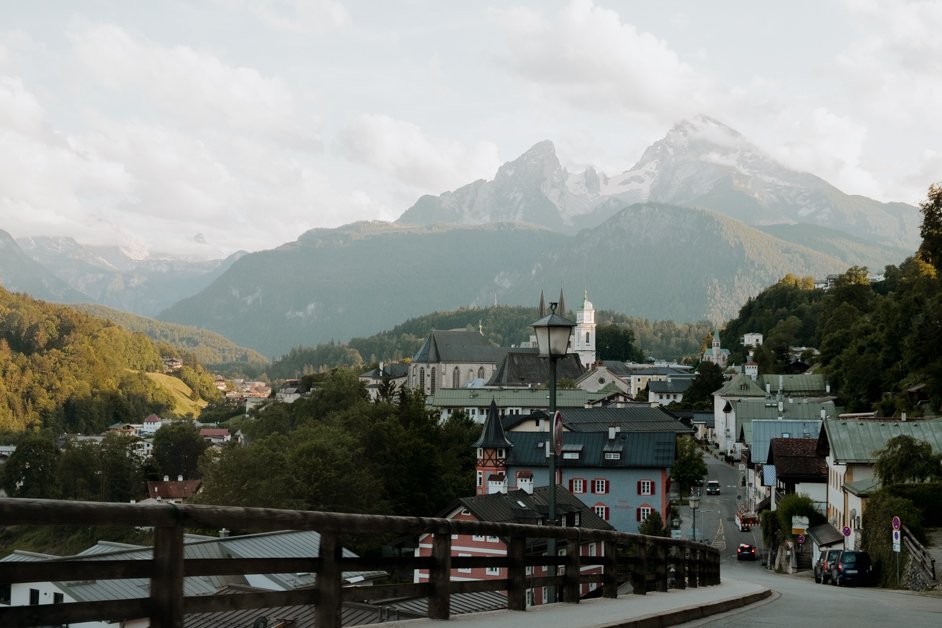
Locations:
{"points": [[852, 567]]}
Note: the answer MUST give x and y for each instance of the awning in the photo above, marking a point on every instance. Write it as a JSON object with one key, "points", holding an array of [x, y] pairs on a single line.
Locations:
{"points": [[825, 534]]}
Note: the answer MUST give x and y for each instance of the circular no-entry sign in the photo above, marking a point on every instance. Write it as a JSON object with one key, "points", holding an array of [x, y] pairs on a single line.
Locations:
{"points": [[846, 531], [896, 523], [801, 539]]}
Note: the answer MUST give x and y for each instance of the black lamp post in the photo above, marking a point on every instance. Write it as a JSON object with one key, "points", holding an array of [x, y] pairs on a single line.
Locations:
{"points": [[552, 338]]}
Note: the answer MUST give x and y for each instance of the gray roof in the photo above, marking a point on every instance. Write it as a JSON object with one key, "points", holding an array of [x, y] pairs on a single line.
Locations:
{"points": [[825, 534], [509, 397], [617, 368], [765, 430], [639, 449], [863, 488], [284, 544], [458, 346], [396, 370], [740, 386], [800, 385], [521, 367], [634, 418], [857, 441], [523, 507], [459, 603], [672, 386]]}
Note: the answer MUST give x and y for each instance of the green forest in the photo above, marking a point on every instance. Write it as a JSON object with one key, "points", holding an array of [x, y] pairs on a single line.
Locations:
{"points": [[68, 372]]}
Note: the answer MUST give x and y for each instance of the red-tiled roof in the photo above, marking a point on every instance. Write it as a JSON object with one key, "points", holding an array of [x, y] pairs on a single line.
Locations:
{"points": [[797, 458]]}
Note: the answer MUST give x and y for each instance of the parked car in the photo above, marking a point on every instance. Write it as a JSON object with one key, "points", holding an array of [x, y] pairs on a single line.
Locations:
{"points": [[746, 552], [852, 567], [713, 487], [822, 567]]}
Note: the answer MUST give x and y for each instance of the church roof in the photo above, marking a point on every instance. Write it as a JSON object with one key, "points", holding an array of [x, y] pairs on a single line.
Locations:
{"points": [[522, 367], [492, 435], [457, 346]]}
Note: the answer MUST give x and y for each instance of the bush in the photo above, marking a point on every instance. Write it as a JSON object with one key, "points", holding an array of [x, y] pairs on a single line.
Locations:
{"points": [[876, 537]]}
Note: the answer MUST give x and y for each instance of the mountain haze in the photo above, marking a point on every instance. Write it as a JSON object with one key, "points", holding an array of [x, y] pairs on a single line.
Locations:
{"points": [[699, 163]]}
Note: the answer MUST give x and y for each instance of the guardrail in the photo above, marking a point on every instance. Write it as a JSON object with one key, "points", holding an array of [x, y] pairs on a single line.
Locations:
{"points": [[649, 563]]}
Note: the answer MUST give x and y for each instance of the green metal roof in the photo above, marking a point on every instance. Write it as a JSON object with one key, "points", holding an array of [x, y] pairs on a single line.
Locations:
{"points": [[858, 440], [741, 386], [509, 397]]}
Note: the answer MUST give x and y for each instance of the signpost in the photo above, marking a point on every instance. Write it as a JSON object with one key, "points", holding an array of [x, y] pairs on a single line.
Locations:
{"points": [[896, 524]]}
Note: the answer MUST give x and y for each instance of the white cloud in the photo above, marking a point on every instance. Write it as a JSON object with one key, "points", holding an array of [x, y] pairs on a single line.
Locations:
{"points": [[587, 56], [403, 150], [303, 16]]}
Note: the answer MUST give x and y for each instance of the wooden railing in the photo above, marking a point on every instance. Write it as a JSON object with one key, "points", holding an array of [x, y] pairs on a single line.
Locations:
{"points": [[649, 563], [921, 558]]}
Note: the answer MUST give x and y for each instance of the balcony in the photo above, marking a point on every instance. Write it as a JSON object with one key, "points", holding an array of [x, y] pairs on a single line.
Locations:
{"points": [[647, 563]]}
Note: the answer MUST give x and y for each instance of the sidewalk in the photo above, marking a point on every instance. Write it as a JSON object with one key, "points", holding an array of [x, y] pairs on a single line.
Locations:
{"points": [[628, 611]]}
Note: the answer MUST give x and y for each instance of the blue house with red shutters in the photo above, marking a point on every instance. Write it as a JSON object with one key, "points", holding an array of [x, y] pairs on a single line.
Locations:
{"points": [[616, 460]]}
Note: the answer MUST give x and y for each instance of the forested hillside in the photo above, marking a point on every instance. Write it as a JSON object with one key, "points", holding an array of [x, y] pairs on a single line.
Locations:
{"points": [[206, 347], [880, 343], [66, 371]]}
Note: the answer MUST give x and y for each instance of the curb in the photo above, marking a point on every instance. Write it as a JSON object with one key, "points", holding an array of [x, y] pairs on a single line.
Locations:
{"points": [[692, 613]]}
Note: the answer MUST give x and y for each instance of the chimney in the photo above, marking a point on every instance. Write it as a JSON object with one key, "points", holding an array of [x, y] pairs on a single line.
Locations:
{"points": [[827, 388], [224, 533], [781, 406], [179, 478], [611, 432], [824, 414], [768, 388], [166, 478], [902, 416]]}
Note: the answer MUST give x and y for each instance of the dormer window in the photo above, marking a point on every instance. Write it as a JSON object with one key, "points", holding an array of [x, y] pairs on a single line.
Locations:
{"points": [[613, 455]]}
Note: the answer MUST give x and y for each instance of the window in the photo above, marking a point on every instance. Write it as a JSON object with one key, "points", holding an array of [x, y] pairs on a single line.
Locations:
{"points": [[501, 453], [570, 455], [591, 550], [613, 455], [478, 537], [601, 510], [587, 337], [480, 453], [492, 539], [465, 512], [5, 593], [33, 597], [644, 512], [600, 487], [645, 487], [480, 479], [422, 379], [481, 372], [464, 569], [58, 598], [455, 378], [433, 380], [577, 485], [492, 571]]}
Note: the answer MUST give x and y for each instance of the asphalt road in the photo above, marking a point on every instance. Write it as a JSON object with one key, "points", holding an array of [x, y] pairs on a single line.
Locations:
{"points": [[798, 601]]}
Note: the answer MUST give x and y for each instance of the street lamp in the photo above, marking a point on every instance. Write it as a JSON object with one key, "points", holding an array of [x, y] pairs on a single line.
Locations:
{"points": [[552, 338], [694, 501]]}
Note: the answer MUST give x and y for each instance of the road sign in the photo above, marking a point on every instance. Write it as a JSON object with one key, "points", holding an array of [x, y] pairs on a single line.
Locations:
{"points": [[742, 467], [846, 531], [676, 534], [896, 536], [800, 539], [558, 433], [897, 523]]}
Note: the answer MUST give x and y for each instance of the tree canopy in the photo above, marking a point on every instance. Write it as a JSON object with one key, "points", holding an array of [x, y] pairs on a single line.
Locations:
{"points": [[689, 465], [905, 459]]}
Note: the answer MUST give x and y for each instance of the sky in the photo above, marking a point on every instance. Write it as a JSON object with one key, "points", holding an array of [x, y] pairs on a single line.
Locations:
{"points": [[203, 128]]}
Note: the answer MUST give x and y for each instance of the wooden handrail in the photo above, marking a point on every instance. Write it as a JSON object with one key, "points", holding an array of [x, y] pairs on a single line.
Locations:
{"points": [[638, 557]]}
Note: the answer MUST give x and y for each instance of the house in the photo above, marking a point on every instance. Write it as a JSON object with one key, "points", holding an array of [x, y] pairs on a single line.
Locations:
{"points": [[282, 544], [215, 435], [175, 491], [751, 339], [850, 448], [757, 434], [393, 374], [641, 375], [605, 375], [663, 393], [150, 425], [511, 401], [519, 506], [620, 470], [791, 392], [524, 368], [799, 469]]}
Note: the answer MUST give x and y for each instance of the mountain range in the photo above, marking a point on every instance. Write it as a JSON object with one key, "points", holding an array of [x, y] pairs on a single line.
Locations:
{"points": [[702, 222]]}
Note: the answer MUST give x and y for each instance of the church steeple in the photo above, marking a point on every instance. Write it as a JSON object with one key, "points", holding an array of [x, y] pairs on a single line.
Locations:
{"points": [[561, 309], [542, 306]]}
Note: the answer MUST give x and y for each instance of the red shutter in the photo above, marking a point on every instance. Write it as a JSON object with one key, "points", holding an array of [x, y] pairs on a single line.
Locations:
{"points": [[571, 482], [591, 488], [606, 513], [605, 486], [637, 514], [639, 487]]}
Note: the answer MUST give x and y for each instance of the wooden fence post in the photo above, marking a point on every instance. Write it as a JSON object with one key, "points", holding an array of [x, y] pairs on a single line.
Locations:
{"points": [[329, 599], [680, 566], [639, 572], [610, 569], [693, 567], [517, 574], [166, 582], [439, 600], [660, 568], [573, 570]]}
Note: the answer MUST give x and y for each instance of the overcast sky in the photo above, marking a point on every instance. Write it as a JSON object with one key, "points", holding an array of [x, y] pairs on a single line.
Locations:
{"points": [[252, 121]]}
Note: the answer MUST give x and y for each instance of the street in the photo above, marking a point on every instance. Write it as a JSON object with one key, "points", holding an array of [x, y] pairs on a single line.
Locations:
{"points": [[798, 600]]}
